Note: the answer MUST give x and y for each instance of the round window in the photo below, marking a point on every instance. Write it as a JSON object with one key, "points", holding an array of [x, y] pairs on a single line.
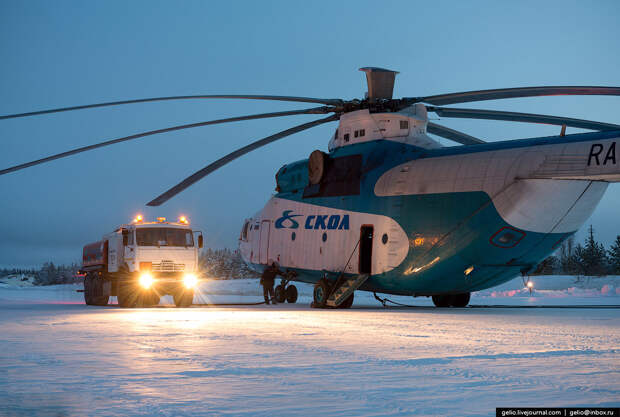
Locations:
{"points": [[384, 238], [293, 236], [324, 237]]}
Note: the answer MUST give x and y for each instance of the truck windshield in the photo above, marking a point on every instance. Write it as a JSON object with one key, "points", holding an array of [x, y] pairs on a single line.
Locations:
{"points": [[163, 236]]}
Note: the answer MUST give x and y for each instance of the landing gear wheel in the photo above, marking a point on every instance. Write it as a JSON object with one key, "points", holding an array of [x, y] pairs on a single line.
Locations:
{"points": [[348, 302], [280, 294], [460, 300], [444, 300], [126, 295], [184, 298], [291, 294], [321, 289]]}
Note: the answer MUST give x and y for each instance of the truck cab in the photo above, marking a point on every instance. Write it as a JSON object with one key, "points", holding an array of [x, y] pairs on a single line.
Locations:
{"points": [[141, 261]]}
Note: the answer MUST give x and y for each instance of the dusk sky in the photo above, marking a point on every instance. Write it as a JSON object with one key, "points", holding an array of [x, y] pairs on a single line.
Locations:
{"points": [[65, 53]]}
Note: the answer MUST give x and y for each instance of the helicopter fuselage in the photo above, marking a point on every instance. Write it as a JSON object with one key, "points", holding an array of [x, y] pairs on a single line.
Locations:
{"points": [[427, 221]]}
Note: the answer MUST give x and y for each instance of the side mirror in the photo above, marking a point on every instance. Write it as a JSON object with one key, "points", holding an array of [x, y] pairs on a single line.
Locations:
{"points": [[200, 241], [125, 237]]}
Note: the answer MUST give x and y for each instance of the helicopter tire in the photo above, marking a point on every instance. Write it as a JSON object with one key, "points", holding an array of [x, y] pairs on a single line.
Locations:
{"points": [[348, 302], [460, 300], [444, 300], [280, 294], [183, 298], [291, 294], [321, 289]]}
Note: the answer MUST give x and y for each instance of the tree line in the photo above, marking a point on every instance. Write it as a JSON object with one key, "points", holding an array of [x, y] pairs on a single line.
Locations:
{"points": [[48, 274], [591, 258], [223, 264]]}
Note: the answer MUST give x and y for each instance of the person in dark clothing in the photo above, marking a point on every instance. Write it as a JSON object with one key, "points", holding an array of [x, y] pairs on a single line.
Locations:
{"points": [[267, 280]]}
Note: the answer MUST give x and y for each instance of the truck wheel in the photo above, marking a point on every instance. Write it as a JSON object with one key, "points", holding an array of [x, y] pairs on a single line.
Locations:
{"points": [[97, 296], [291, 294], [87, 290], [126, 295], [280, 294], [154, 299], [146, 298], [183, 298]]}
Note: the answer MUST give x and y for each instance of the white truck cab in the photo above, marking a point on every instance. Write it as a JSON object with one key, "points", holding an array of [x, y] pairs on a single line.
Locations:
{"points": [[141, 261]]}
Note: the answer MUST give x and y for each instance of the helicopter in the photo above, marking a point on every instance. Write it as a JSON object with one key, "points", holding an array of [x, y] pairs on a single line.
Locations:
{"points": [[388, 209]]}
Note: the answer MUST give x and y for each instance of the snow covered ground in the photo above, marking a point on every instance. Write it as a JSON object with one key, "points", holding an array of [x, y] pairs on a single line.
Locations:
{"points": [[60, 357]]}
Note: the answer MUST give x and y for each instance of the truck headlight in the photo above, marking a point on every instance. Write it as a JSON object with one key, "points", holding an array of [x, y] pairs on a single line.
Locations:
{"points": [[146, 280], [190, 280]]}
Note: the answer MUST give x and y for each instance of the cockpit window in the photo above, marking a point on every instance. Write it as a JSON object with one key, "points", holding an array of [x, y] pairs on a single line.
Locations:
{"points": [[164, 236]]}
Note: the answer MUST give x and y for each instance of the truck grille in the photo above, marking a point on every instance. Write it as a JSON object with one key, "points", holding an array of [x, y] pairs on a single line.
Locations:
{"points": [[167, 266]]}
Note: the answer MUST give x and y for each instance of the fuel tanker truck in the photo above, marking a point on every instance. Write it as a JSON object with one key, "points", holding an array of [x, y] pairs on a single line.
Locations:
{"points": [[141, 261]]}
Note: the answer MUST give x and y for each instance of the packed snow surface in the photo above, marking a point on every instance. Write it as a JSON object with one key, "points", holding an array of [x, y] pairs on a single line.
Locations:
{"points": [[59, 357]]}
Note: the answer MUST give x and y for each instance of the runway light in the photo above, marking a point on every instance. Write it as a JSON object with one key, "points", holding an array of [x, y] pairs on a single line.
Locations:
{"points": [[469, 270], [190, 281], [146, 280]]}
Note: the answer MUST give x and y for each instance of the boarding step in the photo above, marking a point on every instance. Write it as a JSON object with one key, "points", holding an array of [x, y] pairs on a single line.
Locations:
{"points": [[346, 289]]}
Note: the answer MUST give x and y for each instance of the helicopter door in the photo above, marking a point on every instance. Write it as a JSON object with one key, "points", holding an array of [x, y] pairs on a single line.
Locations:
{"points": [[366, 236], [263, 247]]}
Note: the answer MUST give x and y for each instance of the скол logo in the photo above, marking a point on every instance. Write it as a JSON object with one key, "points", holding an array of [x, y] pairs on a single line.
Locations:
{"points": [[313, 222], [288, 217]]}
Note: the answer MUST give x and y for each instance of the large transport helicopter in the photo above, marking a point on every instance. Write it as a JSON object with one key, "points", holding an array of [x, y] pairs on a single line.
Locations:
{"points": [[390, 210]]}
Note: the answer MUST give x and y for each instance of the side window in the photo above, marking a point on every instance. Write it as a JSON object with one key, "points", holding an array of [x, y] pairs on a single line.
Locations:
{"points": [[404, 124], [130, 237], [346, 134], [356, 133], [362, 132]]}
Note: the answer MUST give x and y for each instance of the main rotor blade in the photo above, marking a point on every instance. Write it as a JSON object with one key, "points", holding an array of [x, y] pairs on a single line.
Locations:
{"points": [[481, 95], [521, 117], [315, 110], [452, 134], [231, 157], [327, 101]]}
